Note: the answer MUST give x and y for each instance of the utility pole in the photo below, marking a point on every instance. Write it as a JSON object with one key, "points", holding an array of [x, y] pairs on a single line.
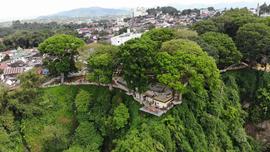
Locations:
{"points": [[258, 9]]}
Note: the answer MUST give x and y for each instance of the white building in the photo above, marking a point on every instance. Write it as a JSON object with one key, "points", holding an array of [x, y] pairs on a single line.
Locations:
{"points": [[253, 11], [139, 11], [265, 15], [2, 56], [206, 13], [121, 39]]}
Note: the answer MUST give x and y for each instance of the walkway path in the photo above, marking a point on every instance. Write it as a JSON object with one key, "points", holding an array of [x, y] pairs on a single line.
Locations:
{"points": [[243, 65], [136, 96]]}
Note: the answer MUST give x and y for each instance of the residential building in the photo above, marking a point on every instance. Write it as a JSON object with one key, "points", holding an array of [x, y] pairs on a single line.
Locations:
{"points": [[2, 56], [139, 11], [121, 39], [10, 74]]}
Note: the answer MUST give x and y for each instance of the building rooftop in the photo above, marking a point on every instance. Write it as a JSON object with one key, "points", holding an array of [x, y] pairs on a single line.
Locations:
{"points": [[160, 93], [17, 70]]}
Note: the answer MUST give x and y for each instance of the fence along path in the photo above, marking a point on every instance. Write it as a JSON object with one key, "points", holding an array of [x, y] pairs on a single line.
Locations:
{"points": [[137, 96]]}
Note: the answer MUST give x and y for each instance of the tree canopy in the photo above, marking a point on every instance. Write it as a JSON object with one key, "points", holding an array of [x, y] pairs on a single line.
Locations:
{"points": [[179, 44], [233, 19], [253, 40], [165, 10], [61, 50], [102, 63], [120, 116], [185, 34], [137, 57], [82, 101], [191, 66], [221, 47], [205, 26], [160, 35]]}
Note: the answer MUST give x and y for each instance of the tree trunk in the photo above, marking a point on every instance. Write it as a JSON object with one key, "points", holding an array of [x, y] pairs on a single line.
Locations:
{"points": [[62, 78]]}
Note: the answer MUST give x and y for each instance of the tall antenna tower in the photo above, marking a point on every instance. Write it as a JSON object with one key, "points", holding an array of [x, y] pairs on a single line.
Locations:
{"points": [[132, 19]]}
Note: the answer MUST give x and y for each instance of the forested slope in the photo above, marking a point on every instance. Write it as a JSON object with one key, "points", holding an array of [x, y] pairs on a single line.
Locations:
{"points": [[208, 121], [87, 118]]}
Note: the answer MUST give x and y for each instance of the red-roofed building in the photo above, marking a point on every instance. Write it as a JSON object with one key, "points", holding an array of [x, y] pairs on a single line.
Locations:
{"points": [[3, 66]]}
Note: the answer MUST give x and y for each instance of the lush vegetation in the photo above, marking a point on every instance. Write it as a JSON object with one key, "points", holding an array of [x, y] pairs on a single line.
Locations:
{"points": [[253, 87], [29, 35], [61, 51], [221, 47], [87, 118], [165, 10], [253, 40], [112, 121], [181, 64], [250, 34], [102, 63]]}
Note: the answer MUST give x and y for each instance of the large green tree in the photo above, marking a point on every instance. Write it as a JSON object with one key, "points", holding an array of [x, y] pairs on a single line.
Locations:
{"points": [[221, 47], [138, 142], [82, 102], [186, 66], [87, 135], [253, 40], [137, 57], [205, 26], [102, 63], [179, 44], [160, 35], [233, 19], [60, 50], [120, 116]]}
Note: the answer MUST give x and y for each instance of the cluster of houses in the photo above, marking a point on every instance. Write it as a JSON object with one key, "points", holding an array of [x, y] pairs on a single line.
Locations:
{"points": [[15, 62], [115, 29]]}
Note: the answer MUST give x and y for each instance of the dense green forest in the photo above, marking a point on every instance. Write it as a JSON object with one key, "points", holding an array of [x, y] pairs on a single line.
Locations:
{"points": [[87, 118]]}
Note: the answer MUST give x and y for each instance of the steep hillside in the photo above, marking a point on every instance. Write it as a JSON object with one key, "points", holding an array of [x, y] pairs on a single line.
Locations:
{"points": [[254, 91], [204, 122]]}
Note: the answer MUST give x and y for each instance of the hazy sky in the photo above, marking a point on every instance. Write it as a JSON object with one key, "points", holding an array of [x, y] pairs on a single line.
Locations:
{"points": [[19, 9]]}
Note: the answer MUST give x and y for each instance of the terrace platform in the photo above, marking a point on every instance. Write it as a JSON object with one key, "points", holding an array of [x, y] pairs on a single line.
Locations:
{"points": [[153, 110], [156, 111]]}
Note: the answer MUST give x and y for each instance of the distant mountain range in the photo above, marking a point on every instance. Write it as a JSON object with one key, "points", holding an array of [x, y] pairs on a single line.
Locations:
{"points": [[88, 12]]}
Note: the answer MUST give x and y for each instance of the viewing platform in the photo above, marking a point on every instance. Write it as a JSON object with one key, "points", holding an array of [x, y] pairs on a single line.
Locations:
{"points": [[158, 100]]}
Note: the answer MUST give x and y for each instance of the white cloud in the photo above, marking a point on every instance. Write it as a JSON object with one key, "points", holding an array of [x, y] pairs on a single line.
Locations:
{"points": [[14, 9]]}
